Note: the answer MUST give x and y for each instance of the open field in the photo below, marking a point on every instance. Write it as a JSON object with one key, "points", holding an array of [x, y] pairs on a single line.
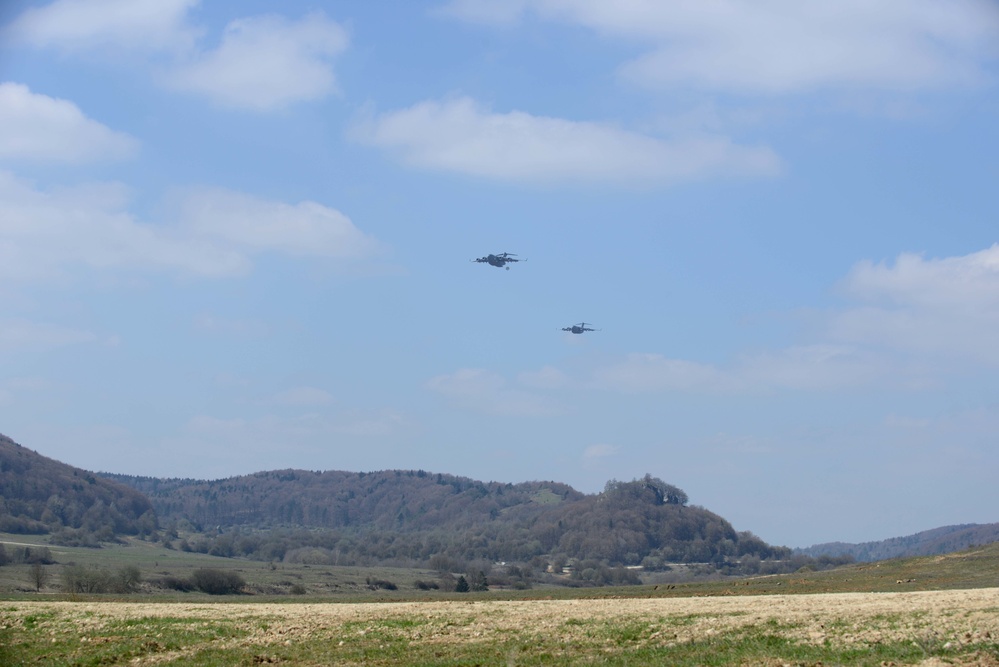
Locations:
{"points": [[973, 568], [928, 628], [155, 562], [931, 611]]}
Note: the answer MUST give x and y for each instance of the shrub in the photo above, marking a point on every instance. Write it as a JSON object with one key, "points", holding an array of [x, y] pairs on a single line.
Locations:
{"points": [[375, 584], [477, 581], [129, 578], [217, 582], [174, 583], [79, 579], [40, 555]]}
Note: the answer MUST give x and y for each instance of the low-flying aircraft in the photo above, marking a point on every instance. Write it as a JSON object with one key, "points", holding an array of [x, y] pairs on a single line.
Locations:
{"points": [[578, 328], [499, 260]]}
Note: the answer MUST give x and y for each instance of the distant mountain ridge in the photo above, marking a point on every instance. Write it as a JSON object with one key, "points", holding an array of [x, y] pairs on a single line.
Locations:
{"points": [[945, 539]]}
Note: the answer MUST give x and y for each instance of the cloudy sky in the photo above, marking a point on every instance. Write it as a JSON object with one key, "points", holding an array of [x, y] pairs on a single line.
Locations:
{"points": [[235, 236]]}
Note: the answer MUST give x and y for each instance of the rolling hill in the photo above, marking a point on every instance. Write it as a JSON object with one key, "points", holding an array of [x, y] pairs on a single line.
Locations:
{"points": [[412, 516], [945, 539], [41, 495]]}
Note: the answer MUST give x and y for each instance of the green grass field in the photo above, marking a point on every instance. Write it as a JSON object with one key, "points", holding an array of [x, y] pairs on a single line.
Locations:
{"points": [[931, 611], [928, 628]]}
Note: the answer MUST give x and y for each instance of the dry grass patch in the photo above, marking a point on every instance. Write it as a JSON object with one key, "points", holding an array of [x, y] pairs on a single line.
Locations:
{"points": [[951, 627]]}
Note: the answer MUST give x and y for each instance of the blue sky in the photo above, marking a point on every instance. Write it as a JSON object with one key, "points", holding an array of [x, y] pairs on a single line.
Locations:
{"points": [[235, 236]]}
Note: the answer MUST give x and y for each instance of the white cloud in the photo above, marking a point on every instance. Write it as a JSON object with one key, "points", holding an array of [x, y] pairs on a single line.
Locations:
{"points": [[548, 377], [303, 229], [728, 445], [39, 128], [30, 384], [481, 391], [655, 372], [212, 447], [304, 396], [215, 324], [596, 453], [811, 367], [20, 333], [459, 135], [87, 25], [14, 389], [495, 12], [466, 381], [935, 308], [915, 319], [44, 234], [266, 62], [262, 63], [968, 282], [816, 367], [50, 233], [781, 46], [372, 423], [299, 437]]}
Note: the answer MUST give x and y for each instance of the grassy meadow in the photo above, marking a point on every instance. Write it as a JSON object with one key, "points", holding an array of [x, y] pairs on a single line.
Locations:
{"points": [[931, 611], [973, 568]]}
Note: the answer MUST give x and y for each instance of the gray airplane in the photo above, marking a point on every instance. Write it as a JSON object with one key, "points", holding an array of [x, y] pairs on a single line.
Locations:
{"points": [[578, 328], [499, 260]]}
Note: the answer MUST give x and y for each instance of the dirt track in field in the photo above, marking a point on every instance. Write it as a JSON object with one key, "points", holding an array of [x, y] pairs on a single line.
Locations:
{"points": [[955, 617]]}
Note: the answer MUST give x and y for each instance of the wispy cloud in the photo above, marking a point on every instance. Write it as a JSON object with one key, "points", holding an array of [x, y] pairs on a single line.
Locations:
{"points": [[780, 47], [548, 377], [215, 324], [14, 389], [643, 372], [266, 63], [459, 135], [816, 367], [103, 25], [482, 391], [303, 229], [304, 396], [909, 322], [39, 128], [22, 333], [52, 233], [595, 453], [307, 440], [936, 308], [262, 63]]}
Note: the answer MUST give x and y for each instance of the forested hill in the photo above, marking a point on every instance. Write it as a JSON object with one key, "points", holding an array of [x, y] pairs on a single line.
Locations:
{"points": [[416, 515], [945, 539], [41, 495], [387, 500]]}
